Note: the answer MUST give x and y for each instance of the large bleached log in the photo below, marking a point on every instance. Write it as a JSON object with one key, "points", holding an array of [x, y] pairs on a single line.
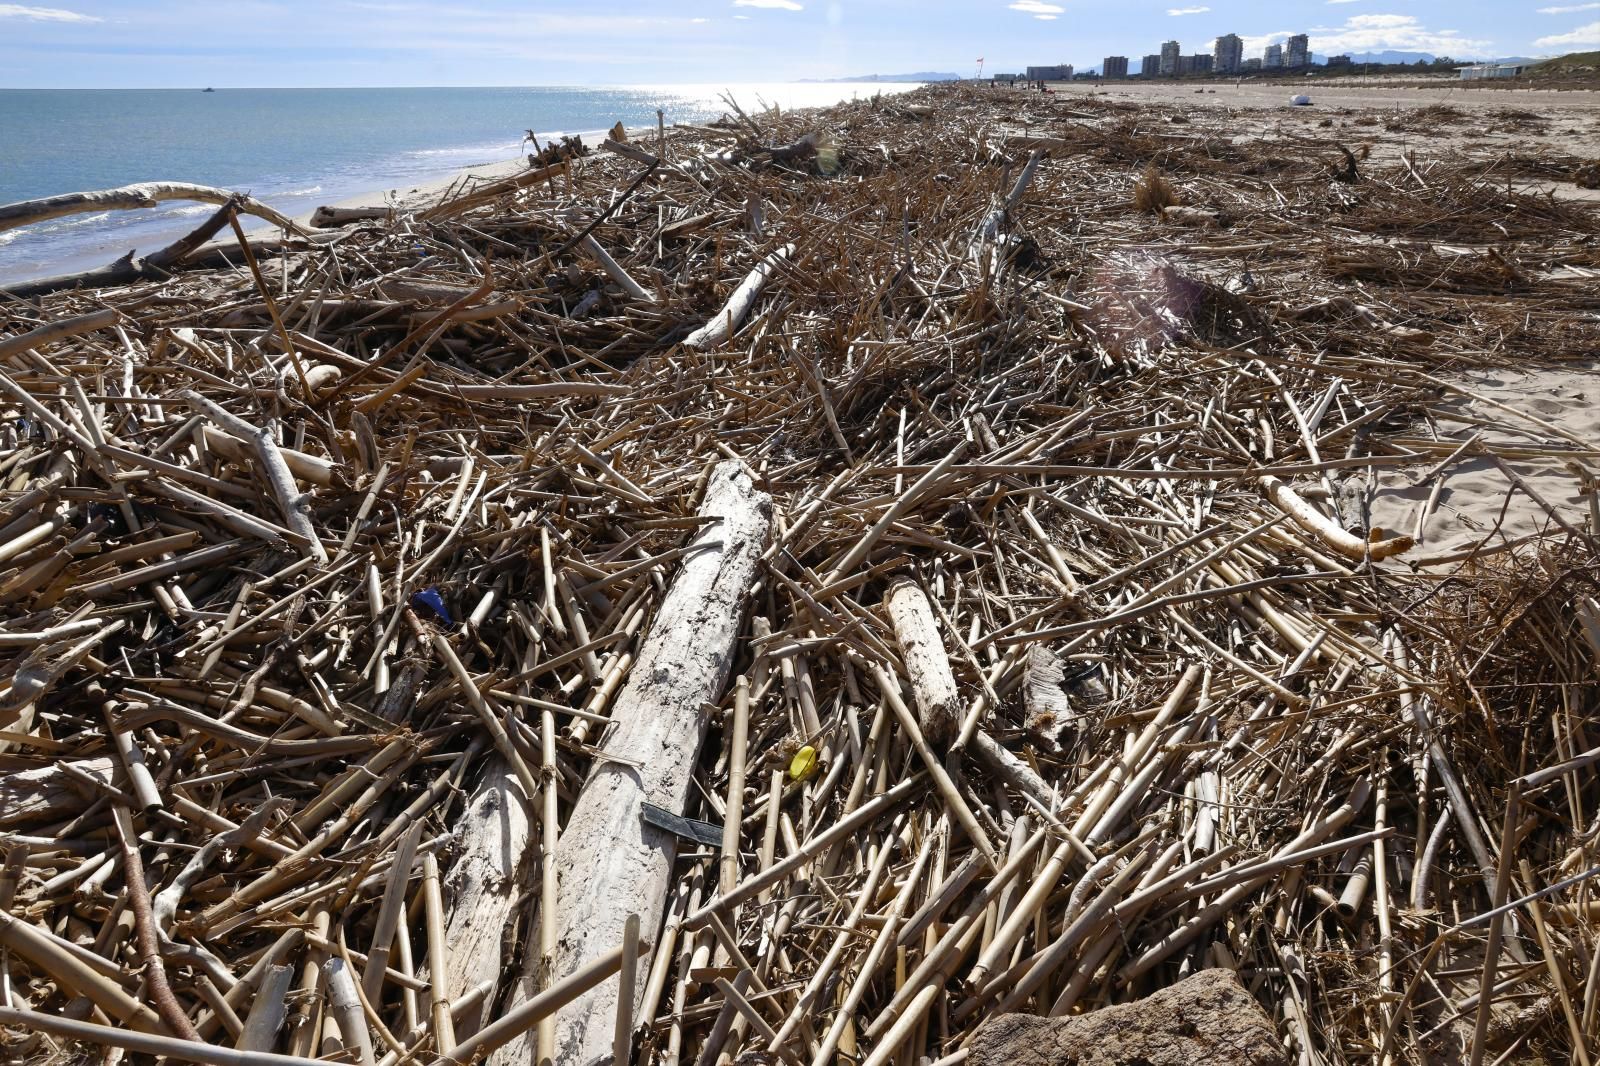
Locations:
{"points": [[609, 862], [328, 216], [133, 197], [484, 884], [721, 327]]}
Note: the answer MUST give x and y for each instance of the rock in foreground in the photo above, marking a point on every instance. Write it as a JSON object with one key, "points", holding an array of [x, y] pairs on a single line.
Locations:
{"points": [[1205, 1020]]}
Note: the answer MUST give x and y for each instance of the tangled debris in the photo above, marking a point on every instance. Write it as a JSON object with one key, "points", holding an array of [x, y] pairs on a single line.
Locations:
{"points": [[853, 572]]}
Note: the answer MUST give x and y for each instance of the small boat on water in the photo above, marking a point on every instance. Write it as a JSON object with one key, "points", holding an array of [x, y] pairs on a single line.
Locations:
{"points": [[208, 89]]}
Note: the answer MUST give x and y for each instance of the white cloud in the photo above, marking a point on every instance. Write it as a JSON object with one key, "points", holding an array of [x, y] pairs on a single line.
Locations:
{"points": [[44, 14], [1582, 37], [1255, 43], [1045, 18], [1568, 10], [1035, 7], [1400, 33], [698, 21], [1175, 11], [784, 5], [1344, 1]]}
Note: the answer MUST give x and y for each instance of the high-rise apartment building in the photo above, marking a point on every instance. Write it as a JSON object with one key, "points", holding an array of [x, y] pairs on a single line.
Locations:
{"points": [[1228, 54], [1297, 53], [1151, 67], [1272, 58], [1171, 52], [1114, 67]]}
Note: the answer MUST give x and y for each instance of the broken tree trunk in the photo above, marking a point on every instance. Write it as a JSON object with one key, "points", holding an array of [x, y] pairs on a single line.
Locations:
{"points": [[609, 862], [1044, 697], [933, 686], [327, 216]]}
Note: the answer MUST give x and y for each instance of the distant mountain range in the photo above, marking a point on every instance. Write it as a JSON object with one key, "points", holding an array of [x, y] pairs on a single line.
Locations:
{"points": [[1386, 57], [1424, 57], [920, 75]]}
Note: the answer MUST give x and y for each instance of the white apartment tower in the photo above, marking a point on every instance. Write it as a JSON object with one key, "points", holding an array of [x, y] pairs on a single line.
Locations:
{"points": [[1170, 52], [1297, 52], [1229, 54]]}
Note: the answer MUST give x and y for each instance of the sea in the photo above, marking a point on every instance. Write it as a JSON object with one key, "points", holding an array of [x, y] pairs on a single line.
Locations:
{"points": [[297, 149]]}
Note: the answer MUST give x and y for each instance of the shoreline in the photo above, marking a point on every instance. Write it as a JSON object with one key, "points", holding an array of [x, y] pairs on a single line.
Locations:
{"points": [[84, 243], [489, 170]]}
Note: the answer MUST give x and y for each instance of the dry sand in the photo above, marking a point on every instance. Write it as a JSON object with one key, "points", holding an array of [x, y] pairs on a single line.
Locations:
{"points": [[1361, 112], [1472, 501], [1353, 92]]}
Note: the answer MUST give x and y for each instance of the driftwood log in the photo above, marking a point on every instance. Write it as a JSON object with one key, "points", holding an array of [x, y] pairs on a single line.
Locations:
{"points": [[933, 685], [609, 862], [132, 198], [329, 216], [722, 325]]}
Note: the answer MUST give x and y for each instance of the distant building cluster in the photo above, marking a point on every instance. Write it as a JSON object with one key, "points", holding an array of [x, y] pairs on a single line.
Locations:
{"points": [[1226, 57], [1058, 72]]}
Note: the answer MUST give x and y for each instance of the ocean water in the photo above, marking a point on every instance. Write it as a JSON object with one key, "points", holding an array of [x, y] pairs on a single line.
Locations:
{"points": [[296, 149]]}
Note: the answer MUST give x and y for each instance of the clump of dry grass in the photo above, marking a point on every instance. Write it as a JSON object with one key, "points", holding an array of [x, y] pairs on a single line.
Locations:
{"points": [[1153, 193]]}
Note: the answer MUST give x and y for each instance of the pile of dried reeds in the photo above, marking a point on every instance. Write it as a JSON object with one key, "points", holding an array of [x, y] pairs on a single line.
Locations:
{"points": [[862, 546]]}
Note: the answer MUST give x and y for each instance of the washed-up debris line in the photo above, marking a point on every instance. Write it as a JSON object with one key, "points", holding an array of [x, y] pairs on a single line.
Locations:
{"points": [[836, 575]]}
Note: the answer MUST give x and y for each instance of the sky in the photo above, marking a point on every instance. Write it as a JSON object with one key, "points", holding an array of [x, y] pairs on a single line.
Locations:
{"points": [[226, 43]]}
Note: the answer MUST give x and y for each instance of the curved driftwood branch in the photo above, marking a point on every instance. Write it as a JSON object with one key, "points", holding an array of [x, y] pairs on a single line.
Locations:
{"points": [[1325, 529], [130, 268], [722, 325], [133, 197]]}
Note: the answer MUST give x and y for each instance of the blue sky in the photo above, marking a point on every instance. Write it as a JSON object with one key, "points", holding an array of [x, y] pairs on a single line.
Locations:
{"points": [[115, 43]]}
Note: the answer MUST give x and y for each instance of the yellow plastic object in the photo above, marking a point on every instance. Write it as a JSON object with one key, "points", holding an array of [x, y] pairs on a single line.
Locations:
{"points": [[804, 763]]}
